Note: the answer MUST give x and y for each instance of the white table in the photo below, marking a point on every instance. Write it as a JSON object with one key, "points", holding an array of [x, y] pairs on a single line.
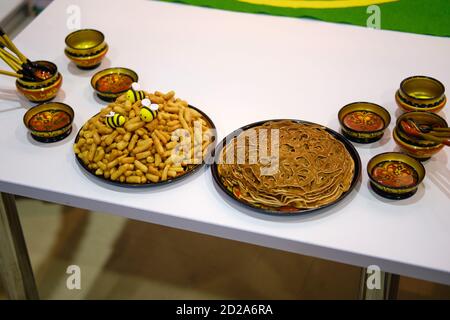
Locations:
{"points": [[240, 68]]}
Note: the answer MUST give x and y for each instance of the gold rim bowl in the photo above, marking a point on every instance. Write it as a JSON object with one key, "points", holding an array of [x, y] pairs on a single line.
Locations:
{"points": [[40, 93], [420, 118], [421, 93], [89, 61], [43, 83], [110, 96], [85, 42], [391, 191], [363, 136], [52, 135], [421, 153]]}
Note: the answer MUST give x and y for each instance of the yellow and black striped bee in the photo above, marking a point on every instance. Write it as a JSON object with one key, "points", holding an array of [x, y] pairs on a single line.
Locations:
{"points": [[135, 95], [149, 111], [115, 120]]}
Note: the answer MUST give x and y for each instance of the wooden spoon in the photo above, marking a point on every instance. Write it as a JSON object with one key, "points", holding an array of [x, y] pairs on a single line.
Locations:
{"points": [[411, 129]]}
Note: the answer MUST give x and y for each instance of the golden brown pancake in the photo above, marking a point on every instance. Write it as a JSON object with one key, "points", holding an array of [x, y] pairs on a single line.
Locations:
{"points": [[313, 169]]}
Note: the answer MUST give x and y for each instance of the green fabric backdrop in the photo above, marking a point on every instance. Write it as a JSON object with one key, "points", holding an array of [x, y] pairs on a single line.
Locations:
{"points": [[416, 16]]}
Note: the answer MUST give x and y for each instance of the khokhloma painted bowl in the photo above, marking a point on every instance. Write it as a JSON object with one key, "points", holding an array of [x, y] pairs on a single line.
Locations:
{"points": [[86, 48], [111, 83], [416, 147], [395, 175], [363, 122], [421, 93], [49, 122], [44, 90]]}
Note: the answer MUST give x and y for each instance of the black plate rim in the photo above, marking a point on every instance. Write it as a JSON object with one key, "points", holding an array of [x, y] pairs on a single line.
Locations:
{"points": [[149, 185], [349, 146]]}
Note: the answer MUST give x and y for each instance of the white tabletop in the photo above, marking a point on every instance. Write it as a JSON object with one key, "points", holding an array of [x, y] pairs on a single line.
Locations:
{"points": [[240, 68]]}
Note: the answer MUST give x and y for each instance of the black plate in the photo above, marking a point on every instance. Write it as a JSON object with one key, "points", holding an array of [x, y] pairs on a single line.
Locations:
{"points": [[275, 211], [191, 168]]}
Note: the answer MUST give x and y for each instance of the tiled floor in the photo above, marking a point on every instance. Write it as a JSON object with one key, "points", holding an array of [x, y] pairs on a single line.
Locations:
{"points": [[126, 259]]}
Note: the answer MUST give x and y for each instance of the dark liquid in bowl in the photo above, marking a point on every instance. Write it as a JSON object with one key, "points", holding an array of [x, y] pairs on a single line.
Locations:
{"points": [[49, 120], [365, 121], [395, 174], [114, 83]]}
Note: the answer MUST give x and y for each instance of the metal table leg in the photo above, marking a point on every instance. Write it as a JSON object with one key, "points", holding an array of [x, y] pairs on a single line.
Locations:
{"points": [[387, 289], [15, 267]]}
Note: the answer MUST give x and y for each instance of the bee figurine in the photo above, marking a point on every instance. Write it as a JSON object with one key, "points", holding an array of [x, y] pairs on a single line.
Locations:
{"points": [[114, 120], [149, 111], [134, 94]]}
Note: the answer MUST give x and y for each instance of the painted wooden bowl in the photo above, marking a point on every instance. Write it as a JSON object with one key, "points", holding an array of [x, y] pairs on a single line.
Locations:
{"points": [[49, 122], [112, 82], [421, 93], [44, 90], [86, 48], [395, 175], [363, 122]]}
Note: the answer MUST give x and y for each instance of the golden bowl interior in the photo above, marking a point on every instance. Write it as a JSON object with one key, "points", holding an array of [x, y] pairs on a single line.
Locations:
{"points": [[116, 70], [400, 157], [420, 118], [84, 39], [48, 106], [364, 106], [422, 88]]}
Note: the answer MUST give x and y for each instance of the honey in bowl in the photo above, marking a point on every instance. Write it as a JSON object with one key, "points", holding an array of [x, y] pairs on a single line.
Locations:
{"points": [[110, 83], [114, 83], [365, 121], [49, 120], [395, 174]]}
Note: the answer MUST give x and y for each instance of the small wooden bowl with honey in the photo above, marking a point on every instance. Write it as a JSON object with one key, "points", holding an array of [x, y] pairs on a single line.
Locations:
{"points": [[112, 82], [421, 93], [395, 175], [49, 122], [363, 122]]}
